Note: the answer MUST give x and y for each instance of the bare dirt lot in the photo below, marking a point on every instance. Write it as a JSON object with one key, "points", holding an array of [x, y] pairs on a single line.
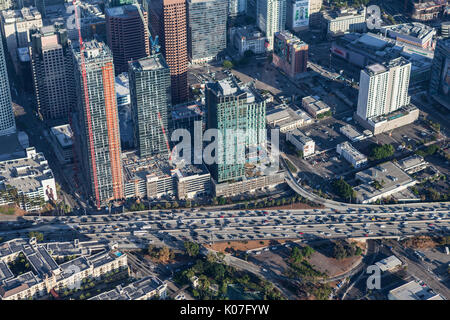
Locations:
{"points": [[246, 245]]}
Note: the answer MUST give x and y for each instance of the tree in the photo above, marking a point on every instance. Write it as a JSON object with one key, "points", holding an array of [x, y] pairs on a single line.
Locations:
{"points": [[38, 235], [382, 152], [343, 189], [192, 248], [164, 254], [211, 257], [218, 271], [227, 64]]}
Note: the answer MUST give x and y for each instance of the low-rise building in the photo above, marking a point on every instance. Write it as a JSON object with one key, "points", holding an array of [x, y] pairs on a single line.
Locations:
{"points": [[389, 264], [285, 118], [248, 38], [413, 291], [154, 177], [13, 146], [143, 289], [62, 143], [46, 274], [192, 181], [350, 132], [413, 33], [413, 164], [345, 20], [302, 142], [33, 179], [381, 182], [315, 106], [356, 158], [384, 123], [147, 177], [229, 189]]}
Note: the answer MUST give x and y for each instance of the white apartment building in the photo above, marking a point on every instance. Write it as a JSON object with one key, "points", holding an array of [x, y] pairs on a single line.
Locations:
{"points": [[271, 18], [302, 142], [31, 177], [356, 158], [383, 88], [46, 273], [345, 20]]}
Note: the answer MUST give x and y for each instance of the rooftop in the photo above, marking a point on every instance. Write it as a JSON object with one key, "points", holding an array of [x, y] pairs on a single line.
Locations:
{"points": [[122, 84], [388, 174], [300, 136], [137, 168], [63, 134], [290, 39], [186, 111], [413, 291], [154, 62], [26, 174], [25, 14], [378, 68], [121, 11], [249, 33], [354, 153], [350, 132], [133, 291], [411, 162], [413, 29], [389, 263]]}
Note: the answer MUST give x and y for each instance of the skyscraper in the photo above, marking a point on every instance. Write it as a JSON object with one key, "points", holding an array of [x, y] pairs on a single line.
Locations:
{"points": [[232, 108], [207, 29], [52, 65], [383, 88], [271, 18], [127, 35], [440, 73], [7, 122], [98, 124], [167, 19], [150, 102]]}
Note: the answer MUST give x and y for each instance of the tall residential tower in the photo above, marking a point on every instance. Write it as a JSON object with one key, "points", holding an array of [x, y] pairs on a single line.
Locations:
{"points": [[271, 18], [383, 88], [207, 29], [98, 136], [150, 102], [239, 116]]}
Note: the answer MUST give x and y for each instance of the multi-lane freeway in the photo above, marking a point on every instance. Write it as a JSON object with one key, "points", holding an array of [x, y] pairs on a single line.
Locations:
{"points": [[207, 226]]}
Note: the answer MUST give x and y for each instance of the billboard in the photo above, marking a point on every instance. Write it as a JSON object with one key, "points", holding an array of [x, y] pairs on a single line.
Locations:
{"points": [[300, 17]]}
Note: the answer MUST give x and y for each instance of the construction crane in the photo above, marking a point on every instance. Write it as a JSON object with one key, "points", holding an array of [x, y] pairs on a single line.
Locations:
{"points": [[154, 46], [87, 105]]}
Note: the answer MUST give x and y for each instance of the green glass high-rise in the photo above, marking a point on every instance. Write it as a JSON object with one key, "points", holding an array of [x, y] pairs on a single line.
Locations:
{"points": [[239, 116]]}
